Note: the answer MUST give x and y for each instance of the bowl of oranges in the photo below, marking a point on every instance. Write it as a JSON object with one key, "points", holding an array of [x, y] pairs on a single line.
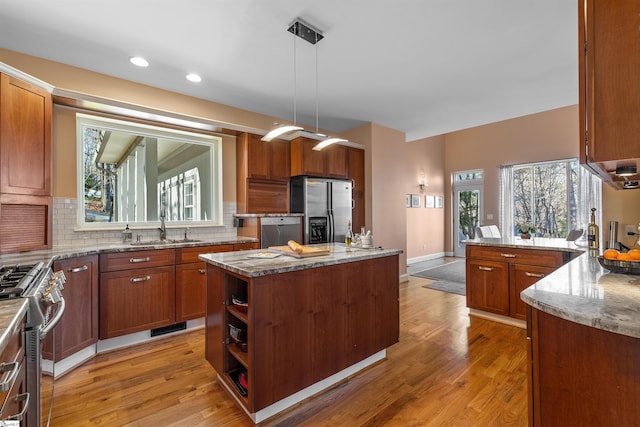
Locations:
{"points": [[621, 262]]}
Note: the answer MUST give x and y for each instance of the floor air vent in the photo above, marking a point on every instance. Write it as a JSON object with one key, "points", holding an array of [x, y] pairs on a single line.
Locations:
{"points": [[168, 329]]}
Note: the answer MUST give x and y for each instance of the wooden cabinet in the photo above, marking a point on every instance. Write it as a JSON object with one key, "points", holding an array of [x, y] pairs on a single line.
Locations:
{"points": [[580, 375], [488, 286], [137, 291], [497, 275], [301, 326], [263, 160], [330, 162], [355, 158], [78, 328], [609, 86], [262, 174], [25, 166], [191, 281]]}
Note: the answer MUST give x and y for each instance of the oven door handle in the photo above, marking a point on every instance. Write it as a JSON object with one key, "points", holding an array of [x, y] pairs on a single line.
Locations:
{"points": [[52, 324]]}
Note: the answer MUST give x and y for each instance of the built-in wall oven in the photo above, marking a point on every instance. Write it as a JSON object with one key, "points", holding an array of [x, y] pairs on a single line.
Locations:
{"points": [[43, 289]]}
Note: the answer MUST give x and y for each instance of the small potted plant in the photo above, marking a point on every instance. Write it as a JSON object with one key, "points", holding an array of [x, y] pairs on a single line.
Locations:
{"points": [[525, 231]]}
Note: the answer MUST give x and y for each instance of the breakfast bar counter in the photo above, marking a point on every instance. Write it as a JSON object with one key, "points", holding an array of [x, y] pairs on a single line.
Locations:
{"points": [[280, 330]]}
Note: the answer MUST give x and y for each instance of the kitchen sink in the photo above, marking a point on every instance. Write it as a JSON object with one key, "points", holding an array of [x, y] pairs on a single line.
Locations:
{"points": [[163, 242]]}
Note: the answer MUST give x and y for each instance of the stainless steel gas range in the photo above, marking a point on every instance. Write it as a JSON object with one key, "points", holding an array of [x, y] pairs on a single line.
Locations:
{"points": [[43, 289]]}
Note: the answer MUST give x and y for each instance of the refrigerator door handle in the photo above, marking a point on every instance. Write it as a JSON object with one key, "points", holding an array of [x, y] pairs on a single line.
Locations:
{"points": [[332, 229]]}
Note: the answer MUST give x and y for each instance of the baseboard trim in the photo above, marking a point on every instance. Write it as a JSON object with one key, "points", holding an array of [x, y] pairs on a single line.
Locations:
{"points": [[425, 258]]}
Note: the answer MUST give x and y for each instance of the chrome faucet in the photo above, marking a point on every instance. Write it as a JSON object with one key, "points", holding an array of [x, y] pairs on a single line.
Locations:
{"points": [[162, 228]]}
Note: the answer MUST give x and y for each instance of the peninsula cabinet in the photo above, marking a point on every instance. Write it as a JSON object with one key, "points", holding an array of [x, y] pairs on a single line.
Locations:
{"points": [[137, 291], [609, 86], [497, 275], [300, 326], [25, 166], [78, 328], [580, 375]]}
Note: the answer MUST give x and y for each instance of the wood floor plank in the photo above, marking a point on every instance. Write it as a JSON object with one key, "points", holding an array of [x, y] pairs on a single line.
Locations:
{"points": [[448, 369]]}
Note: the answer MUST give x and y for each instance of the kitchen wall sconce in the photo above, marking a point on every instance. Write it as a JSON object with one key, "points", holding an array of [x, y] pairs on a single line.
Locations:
{"points": [[422, 182]]}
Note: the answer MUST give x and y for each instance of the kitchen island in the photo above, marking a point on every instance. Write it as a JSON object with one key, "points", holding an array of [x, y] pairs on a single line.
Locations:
{"points": [[308, 323]]}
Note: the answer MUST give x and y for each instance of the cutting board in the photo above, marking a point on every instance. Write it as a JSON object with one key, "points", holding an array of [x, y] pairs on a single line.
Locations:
{"points": [[308, 252]]}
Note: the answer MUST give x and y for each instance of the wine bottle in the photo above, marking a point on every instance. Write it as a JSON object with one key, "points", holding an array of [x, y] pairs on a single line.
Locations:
{"points": [[593, 231], [348, 235]]}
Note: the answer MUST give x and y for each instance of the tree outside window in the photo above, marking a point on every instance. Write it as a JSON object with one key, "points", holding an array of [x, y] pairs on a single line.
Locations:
{"points": [[545, 197]]}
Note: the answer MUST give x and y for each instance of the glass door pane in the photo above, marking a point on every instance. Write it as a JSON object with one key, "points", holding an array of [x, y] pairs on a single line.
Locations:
{"points": [[467, 205]]}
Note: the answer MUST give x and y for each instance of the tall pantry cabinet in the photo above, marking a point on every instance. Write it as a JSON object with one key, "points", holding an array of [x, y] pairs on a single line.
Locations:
{"points": [[25, 166]]}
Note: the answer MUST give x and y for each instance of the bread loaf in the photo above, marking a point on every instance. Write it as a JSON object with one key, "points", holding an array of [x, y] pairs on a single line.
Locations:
{"points": [[295, 246]]}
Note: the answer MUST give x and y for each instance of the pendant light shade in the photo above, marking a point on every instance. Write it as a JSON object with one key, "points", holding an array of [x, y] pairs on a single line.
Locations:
{"points": [[327, 142], [279, 131]]}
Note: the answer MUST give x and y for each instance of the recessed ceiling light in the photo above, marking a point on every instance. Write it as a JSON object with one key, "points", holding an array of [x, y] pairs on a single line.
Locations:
{"points": [[192, 77], [139, 61]]}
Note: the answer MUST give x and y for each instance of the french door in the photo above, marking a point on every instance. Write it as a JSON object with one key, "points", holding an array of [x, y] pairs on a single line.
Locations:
{"points": [[467, 212]]}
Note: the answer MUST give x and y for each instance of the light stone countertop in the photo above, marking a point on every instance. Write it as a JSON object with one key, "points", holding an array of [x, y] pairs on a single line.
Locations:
{"points": [[11, 313], [240, 263], [581, 291]]}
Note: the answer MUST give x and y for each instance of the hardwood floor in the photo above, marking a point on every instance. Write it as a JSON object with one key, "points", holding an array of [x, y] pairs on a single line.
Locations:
{"points": [[448, 369]]}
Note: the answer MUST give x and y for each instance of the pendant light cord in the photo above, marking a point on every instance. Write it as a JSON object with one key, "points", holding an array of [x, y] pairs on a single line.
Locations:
{"points": [[295, 83], [316, 45]]}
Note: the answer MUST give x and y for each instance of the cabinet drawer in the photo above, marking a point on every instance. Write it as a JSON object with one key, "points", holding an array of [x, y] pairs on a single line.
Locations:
{"points": [[517, 255], [136, 259], [188, 255]]}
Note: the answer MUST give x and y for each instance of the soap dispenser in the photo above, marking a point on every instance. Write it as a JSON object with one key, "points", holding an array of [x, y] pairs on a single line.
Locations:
{"points": [[127, 235]]}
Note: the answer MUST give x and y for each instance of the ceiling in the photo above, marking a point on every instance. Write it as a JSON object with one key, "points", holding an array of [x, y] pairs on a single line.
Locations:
{"points": [[423, 67]]}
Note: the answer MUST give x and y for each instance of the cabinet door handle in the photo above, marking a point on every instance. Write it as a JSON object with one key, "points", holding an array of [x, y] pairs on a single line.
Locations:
{"points": [[79, 269], [538, 275], [137, 260], [24, 397], [139, 279], [14, 367], [508, 255], [485, 268], [202, 271]]}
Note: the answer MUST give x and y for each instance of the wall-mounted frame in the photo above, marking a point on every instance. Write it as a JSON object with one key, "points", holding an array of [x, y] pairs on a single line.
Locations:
{"points": [[415, 201], [429, 201], [439, 202], [408, 200]]}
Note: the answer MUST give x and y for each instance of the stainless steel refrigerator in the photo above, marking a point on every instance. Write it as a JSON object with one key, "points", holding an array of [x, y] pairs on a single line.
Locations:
{"points": [[326, 204]]}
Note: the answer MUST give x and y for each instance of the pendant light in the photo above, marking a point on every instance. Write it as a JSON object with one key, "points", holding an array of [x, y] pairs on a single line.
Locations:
{"points": [[306, 32], [284, 129]]}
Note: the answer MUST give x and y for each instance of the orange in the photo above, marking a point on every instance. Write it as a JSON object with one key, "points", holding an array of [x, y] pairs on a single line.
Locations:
{"points": [[611, 254], [634, 254], [624, 257]]}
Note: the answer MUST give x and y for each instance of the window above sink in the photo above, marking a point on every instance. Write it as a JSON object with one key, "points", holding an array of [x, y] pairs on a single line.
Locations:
{"points": [[129, 172]]}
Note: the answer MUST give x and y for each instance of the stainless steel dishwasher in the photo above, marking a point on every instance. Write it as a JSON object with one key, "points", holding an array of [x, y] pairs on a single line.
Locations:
{"points": [[278, 230]]}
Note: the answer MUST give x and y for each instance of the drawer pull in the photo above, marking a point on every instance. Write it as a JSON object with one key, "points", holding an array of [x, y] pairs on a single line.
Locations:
{"points": [[24, 397], [79, 269], [137, 260], [139, 279], [503, 255], [538, 275], [202, 271], [485, 268], [14, 367]]}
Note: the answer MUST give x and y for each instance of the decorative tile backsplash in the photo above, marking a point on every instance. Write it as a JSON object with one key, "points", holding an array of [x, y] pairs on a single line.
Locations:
{"points": [[65, 235]]}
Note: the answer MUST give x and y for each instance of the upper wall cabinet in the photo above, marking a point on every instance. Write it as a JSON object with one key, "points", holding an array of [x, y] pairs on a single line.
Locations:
{"points": [[330, 162], [262, 175], [609, 81], [25, 166], [25, 138]]}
